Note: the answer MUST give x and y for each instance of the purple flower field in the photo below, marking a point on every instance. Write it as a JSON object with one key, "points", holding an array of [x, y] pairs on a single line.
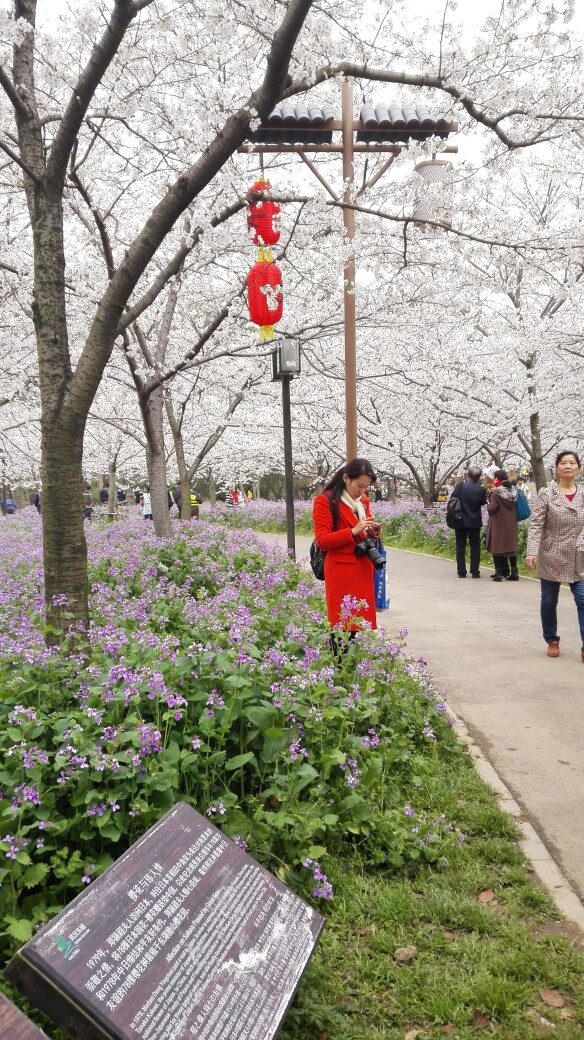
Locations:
{"points": [[208, 677]]}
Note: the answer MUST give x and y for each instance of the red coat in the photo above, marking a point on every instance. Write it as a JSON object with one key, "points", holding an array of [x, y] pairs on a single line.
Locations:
{"points": [[344, 573]]}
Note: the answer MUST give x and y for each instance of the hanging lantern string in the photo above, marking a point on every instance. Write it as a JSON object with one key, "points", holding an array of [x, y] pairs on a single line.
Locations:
{"points": [[264, 281]]}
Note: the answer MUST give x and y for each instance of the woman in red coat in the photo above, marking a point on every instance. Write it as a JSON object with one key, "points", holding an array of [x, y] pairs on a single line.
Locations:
{"points": [[342, 518]]}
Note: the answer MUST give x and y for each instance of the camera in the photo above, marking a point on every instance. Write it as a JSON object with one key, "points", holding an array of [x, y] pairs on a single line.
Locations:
{"points": [[369, 549]]}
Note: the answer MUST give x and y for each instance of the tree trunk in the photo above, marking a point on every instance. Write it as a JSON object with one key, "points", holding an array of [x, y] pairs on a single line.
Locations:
{"points": [[66, 397], [151, 409], [183, 474], [64, 545], [534, 447], [212, 488], [112, 492], [536, 453], [423, 491], [185, 496], [256, 489]]}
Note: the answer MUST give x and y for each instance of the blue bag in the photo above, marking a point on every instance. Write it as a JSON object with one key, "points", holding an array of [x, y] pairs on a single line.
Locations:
{"points": [[522, 506], [380, 580]]}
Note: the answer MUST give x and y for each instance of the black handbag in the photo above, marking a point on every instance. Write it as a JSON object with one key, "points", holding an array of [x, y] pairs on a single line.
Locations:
{"points": [[317, 560], [454, 519]]}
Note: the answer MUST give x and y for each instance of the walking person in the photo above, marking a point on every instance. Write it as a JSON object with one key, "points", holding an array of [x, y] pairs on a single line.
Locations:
{"points": [[502, 529], [146, 504], [342, 520], [524, 487], [472, 497], [8, 506], [194, 505], [555, 545]]}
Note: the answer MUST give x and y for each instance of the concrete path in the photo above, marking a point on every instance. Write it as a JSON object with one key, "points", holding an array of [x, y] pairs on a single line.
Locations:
{"points": [[482, 641]]}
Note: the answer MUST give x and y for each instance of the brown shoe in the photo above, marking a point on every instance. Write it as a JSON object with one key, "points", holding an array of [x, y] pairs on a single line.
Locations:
{"points": [[553, 649], [582, 655]]}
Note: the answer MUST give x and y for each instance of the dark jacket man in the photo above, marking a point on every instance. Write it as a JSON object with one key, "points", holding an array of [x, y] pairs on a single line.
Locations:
{"points": [[472, 497]]}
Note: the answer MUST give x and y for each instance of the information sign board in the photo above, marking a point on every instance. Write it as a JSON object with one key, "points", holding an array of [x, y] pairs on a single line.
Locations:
{"points": [[184, 937]]}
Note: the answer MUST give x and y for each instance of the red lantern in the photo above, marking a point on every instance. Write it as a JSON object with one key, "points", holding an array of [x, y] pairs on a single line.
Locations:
{"points": [[263, 217], [265, 297]]}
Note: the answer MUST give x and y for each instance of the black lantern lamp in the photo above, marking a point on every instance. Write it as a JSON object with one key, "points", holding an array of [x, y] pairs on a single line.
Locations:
{"points": [[286, 360]]}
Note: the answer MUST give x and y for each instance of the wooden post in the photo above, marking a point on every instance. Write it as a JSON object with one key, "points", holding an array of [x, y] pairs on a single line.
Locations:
{"points": [[349, 274]]}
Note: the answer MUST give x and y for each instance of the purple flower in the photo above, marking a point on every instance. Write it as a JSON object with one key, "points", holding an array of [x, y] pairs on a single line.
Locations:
{"points": [[324, 890]]}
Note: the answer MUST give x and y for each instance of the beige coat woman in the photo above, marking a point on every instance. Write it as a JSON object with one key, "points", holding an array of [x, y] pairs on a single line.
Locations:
{"points": [[556, 534]]}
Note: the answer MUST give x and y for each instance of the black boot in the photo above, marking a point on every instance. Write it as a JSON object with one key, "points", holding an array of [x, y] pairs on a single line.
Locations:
{"points": [[499, 562], [514, 576]]}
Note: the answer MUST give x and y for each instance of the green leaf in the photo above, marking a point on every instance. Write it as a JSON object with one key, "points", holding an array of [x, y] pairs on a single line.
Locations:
{"points": [[317, 851], [187, 759], [330, 819], [272, 748], [172, 753], [34, 875], [19, 928], [252, 650], [240, 760], [303, 777], [110, 831], [308, 771], [262, 717]]}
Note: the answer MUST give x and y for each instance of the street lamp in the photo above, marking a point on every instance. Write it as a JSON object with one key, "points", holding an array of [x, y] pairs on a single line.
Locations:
{"points": [[286, 365]]}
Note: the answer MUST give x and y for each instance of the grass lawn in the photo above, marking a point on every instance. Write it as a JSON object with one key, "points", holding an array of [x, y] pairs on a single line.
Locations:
{"points": [[486, 937]]}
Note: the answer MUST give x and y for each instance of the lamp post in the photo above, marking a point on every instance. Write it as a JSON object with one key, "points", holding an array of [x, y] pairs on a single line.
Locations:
{"points": [[286, 365]]}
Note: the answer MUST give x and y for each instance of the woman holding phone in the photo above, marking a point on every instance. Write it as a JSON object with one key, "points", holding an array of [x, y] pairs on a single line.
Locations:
{"points": [[342, 524]]}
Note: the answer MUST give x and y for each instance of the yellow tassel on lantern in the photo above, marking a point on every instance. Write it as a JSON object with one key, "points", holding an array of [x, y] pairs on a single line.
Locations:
{"points": [[264, 255], [266, 333]]}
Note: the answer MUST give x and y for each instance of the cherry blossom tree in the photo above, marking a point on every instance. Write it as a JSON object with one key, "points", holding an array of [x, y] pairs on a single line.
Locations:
{"points": [[137, 127]]}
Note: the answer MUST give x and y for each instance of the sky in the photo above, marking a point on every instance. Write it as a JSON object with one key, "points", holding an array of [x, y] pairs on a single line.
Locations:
{"points": [[469, 12]]}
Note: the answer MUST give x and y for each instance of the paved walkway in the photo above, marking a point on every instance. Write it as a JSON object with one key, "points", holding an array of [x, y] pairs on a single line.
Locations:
{"points": [[483, 643]]}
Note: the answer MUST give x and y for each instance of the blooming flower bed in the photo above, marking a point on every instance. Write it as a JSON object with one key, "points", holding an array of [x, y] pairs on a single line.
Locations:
{"points": [[406, 525], [210, 679], [263, 515]]}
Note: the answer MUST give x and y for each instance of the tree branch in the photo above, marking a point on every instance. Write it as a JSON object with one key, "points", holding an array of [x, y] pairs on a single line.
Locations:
{"points": [[100, 223], [100, 340], [14, 98], [174, 265], [103, 53]]}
